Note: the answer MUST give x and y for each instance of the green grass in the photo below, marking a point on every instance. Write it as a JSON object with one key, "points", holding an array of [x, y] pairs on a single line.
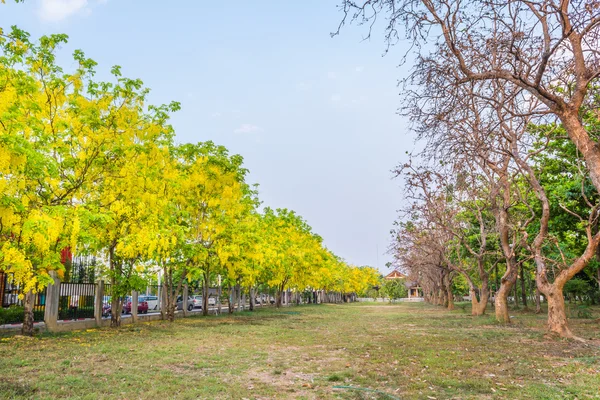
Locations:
{"points": [[403, 351]]}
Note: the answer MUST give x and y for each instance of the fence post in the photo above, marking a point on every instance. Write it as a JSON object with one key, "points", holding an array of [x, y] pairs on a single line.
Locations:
{"points": [[51, 307], [134, 306], [185, 300], [99, 302]]}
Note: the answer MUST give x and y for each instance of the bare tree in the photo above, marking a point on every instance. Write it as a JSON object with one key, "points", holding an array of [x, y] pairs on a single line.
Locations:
{"points": [[545, 51]]}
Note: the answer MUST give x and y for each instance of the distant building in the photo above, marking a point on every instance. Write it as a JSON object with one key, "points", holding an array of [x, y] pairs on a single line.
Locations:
{"points": [[395, 274], [414, 290]]}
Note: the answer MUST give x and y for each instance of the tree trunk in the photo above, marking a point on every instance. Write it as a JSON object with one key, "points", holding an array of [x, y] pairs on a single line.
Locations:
{"points": [[501, 303], [231, 299], [116, 302], [557, 316], [506, 284], [116, 305], [163, 300], [450, 295], [434, 298], [218, 301], [523, 290], [538, 306], [251, 299], [478, 306], [27, 328], [584, 143], [516, 292], [205, 291], [171, 297]]}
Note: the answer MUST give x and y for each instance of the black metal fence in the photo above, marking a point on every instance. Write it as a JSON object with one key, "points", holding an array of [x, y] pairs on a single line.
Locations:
{"points": [[12, 298], [82, 269], [77, 292], [76, 300]]}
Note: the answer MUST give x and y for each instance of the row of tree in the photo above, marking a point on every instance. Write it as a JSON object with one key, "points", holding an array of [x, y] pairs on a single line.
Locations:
{"points": [[505, 97], [87, 167]]}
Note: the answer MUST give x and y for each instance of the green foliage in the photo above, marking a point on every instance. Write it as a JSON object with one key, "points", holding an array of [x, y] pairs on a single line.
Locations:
{"points": [[581, 311], [577, 287], [11, 315], [460, 286], [372, 293], [394, 289]]}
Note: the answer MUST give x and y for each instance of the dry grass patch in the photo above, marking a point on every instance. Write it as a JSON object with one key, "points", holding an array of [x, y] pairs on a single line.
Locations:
{"points": [[350, 351]]}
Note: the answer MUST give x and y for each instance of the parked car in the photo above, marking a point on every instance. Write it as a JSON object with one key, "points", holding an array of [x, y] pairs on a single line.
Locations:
{"points": [[271, 300], [190, 306], [197, 301], [142, 306], [151, 300]]}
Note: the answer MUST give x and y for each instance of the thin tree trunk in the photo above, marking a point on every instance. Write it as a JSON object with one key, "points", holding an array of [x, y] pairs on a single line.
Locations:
{"points": [[171, 297], [516, 292], [538, 306], [449, 294], [205, 291], [523, 289], [251, 299], [163, 300], [27, 328], [116, 302], [218, 301], [231, 299]]}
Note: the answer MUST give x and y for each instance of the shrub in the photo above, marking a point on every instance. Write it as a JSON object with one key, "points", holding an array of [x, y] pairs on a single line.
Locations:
{"points": [[11, 315]]}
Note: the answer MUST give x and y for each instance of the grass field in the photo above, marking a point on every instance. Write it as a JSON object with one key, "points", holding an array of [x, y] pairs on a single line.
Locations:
{"points": [[406, 351]]}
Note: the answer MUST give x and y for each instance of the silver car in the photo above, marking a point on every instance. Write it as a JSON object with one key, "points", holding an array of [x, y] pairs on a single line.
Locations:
{"points": [[190, 305]]}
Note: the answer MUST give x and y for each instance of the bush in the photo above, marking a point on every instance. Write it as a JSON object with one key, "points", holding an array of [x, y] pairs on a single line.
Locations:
{"points": [[11, 315], [15, 314], [582, 311], [577, 288], [394, 289]]}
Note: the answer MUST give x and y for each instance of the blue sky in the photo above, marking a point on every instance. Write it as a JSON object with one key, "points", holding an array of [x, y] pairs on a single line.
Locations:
{"points": [[313, 116]]}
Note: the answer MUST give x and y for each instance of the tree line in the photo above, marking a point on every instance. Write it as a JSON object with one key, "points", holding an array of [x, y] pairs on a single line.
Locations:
{"points": [[89, 167], [504, 97]]}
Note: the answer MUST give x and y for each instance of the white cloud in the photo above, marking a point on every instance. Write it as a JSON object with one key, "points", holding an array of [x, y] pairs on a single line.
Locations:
{"points": [[332, 75], [335, 98], [248, 128], [59, 10], [359, 69], [216, 114]]}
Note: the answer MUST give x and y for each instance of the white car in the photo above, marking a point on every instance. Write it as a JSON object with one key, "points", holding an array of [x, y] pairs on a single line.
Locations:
{"points": [[198, 301], [151, 300]]}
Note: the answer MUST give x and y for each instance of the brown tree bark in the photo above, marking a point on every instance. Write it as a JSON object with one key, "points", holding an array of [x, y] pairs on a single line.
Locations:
{"points": [[478, 307], [231, 299], [205, 289], [501, 303], [27, 328], [523, 288], [252, 298], [538, 305], [557, 316]]}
